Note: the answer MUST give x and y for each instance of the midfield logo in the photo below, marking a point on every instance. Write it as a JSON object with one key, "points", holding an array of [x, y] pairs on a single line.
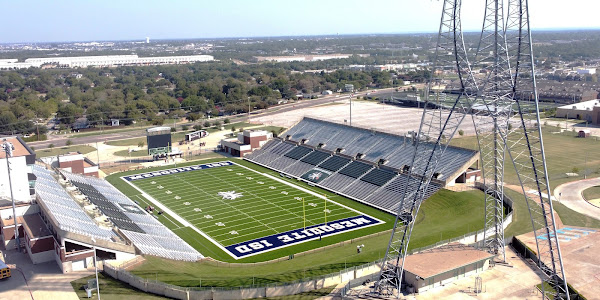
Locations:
{"points": [[230, 195], [315, 176]]}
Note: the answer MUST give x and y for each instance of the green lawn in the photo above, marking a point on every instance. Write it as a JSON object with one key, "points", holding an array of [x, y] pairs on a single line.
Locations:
{"points": [[445, 207], [83, 149], [111, 289], [592, 193], [264, 207], [267, 207], [560, 158], [125, 153]]}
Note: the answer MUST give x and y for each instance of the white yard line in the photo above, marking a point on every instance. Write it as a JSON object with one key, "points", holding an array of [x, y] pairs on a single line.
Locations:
{"points": [[307, 191], [178, 218], [188, 224], [164, 216]]}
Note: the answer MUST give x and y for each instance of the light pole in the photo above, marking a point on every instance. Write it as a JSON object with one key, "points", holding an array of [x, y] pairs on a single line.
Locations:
{"points": [[8, 151], [96, 269], [350, 109]]}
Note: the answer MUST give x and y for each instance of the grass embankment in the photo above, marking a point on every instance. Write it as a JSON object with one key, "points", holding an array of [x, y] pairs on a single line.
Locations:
{"points": [[111, 289], [560, 159], [138, 153], [592, 193], [446, 215], [83, 149], [522, 222]]}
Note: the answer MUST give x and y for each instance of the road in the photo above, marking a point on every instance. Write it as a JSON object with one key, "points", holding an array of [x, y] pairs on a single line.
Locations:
{"points": [[570, 194], [61, 140]]}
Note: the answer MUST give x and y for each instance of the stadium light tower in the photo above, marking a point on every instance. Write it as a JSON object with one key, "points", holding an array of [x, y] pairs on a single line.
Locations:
{"points": [[8, 148], [507, 125]]}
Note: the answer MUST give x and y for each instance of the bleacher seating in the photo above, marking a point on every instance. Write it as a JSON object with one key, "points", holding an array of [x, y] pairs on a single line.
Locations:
{"points": [[306, 163], [298, 152], [345, 137], [362, 144], [305, 132], [148, 235], [372, 184], [346, 176], [274, 153], [315, 158], [67, 213], [334, 163], [385, 147], [355, 169], [378, 177]]}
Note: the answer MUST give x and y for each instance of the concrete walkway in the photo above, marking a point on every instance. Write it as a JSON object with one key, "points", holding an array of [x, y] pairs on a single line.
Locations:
{"points": [[39, 282], [570, 194]]}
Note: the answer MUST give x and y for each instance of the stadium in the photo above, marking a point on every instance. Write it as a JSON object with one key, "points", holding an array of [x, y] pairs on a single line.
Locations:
{"points": [[320, 186]]}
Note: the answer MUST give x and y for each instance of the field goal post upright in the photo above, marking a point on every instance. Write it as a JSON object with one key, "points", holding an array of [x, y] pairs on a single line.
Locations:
{"points": [[499, 98]]}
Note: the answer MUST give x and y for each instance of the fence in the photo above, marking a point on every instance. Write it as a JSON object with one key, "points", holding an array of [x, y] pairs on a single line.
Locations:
{"points": [[355, 276]]}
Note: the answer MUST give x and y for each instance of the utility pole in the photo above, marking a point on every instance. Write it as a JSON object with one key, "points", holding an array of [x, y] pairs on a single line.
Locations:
{"points": [[8, 150], [248, 109]]}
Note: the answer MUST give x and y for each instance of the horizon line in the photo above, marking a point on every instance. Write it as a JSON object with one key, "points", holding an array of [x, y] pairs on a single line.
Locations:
{"points": [[289, 36]]}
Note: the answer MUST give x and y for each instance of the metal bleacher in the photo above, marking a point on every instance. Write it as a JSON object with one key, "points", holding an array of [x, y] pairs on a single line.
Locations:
{"points": [[346, 176], [375, 177], [68, 214], [147, 234], [369, 183], [275, 152], [307, 162]]}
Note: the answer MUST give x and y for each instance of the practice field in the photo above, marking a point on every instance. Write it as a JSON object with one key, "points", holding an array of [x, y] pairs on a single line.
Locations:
{"points": [[244, 212]]}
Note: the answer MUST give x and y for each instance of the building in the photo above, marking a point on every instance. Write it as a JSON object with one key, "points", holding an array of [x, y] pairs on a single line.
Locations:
{"points": [[587, 110], [21, 175], [439, 266], [102, 61], [313, 57], [245, 142], [75, 162], [588, 71]]}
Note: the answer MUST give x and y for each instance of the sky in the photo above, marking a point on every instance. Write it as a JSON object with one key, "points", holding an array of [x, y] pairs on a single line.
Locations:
{"points": [[101, 20]]}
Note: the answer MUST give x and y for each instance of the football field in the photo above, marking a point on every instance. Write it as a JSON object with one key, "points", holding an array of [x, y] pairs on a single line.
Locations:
{"points": [[245, 212]]}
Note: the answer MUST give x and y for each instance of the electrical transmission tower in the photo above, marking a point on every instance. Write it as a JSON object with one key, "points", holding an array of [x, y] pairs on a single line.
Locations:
{"points": [[502, 104]]}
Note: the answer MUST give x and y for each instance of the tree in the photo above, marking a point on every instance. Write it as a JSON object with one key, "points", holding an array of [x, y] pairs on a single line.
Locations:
{"points": [[217, 124], [69, 142], [185, 127], [141, 144], [226, 121], [192, 117], [461, 132], [197, 127], [68, 113], [50, 146], [206, 124], [232, 128]]}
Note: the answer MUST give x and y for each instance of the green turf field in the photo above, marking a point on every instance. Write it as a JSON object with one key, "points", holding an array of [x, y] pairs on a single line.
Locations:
{"points": [[233, 204]]}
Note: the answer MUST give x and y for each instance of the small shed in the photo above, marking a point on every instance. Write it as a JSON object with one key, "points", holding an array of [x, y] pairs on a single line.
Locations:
{"points": [[584, 133]]}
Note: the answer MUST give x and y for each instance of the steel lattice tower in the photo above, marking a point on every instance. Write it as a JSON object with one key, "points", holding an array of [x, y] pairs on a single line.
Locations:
{"points": [[503, 107]]}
